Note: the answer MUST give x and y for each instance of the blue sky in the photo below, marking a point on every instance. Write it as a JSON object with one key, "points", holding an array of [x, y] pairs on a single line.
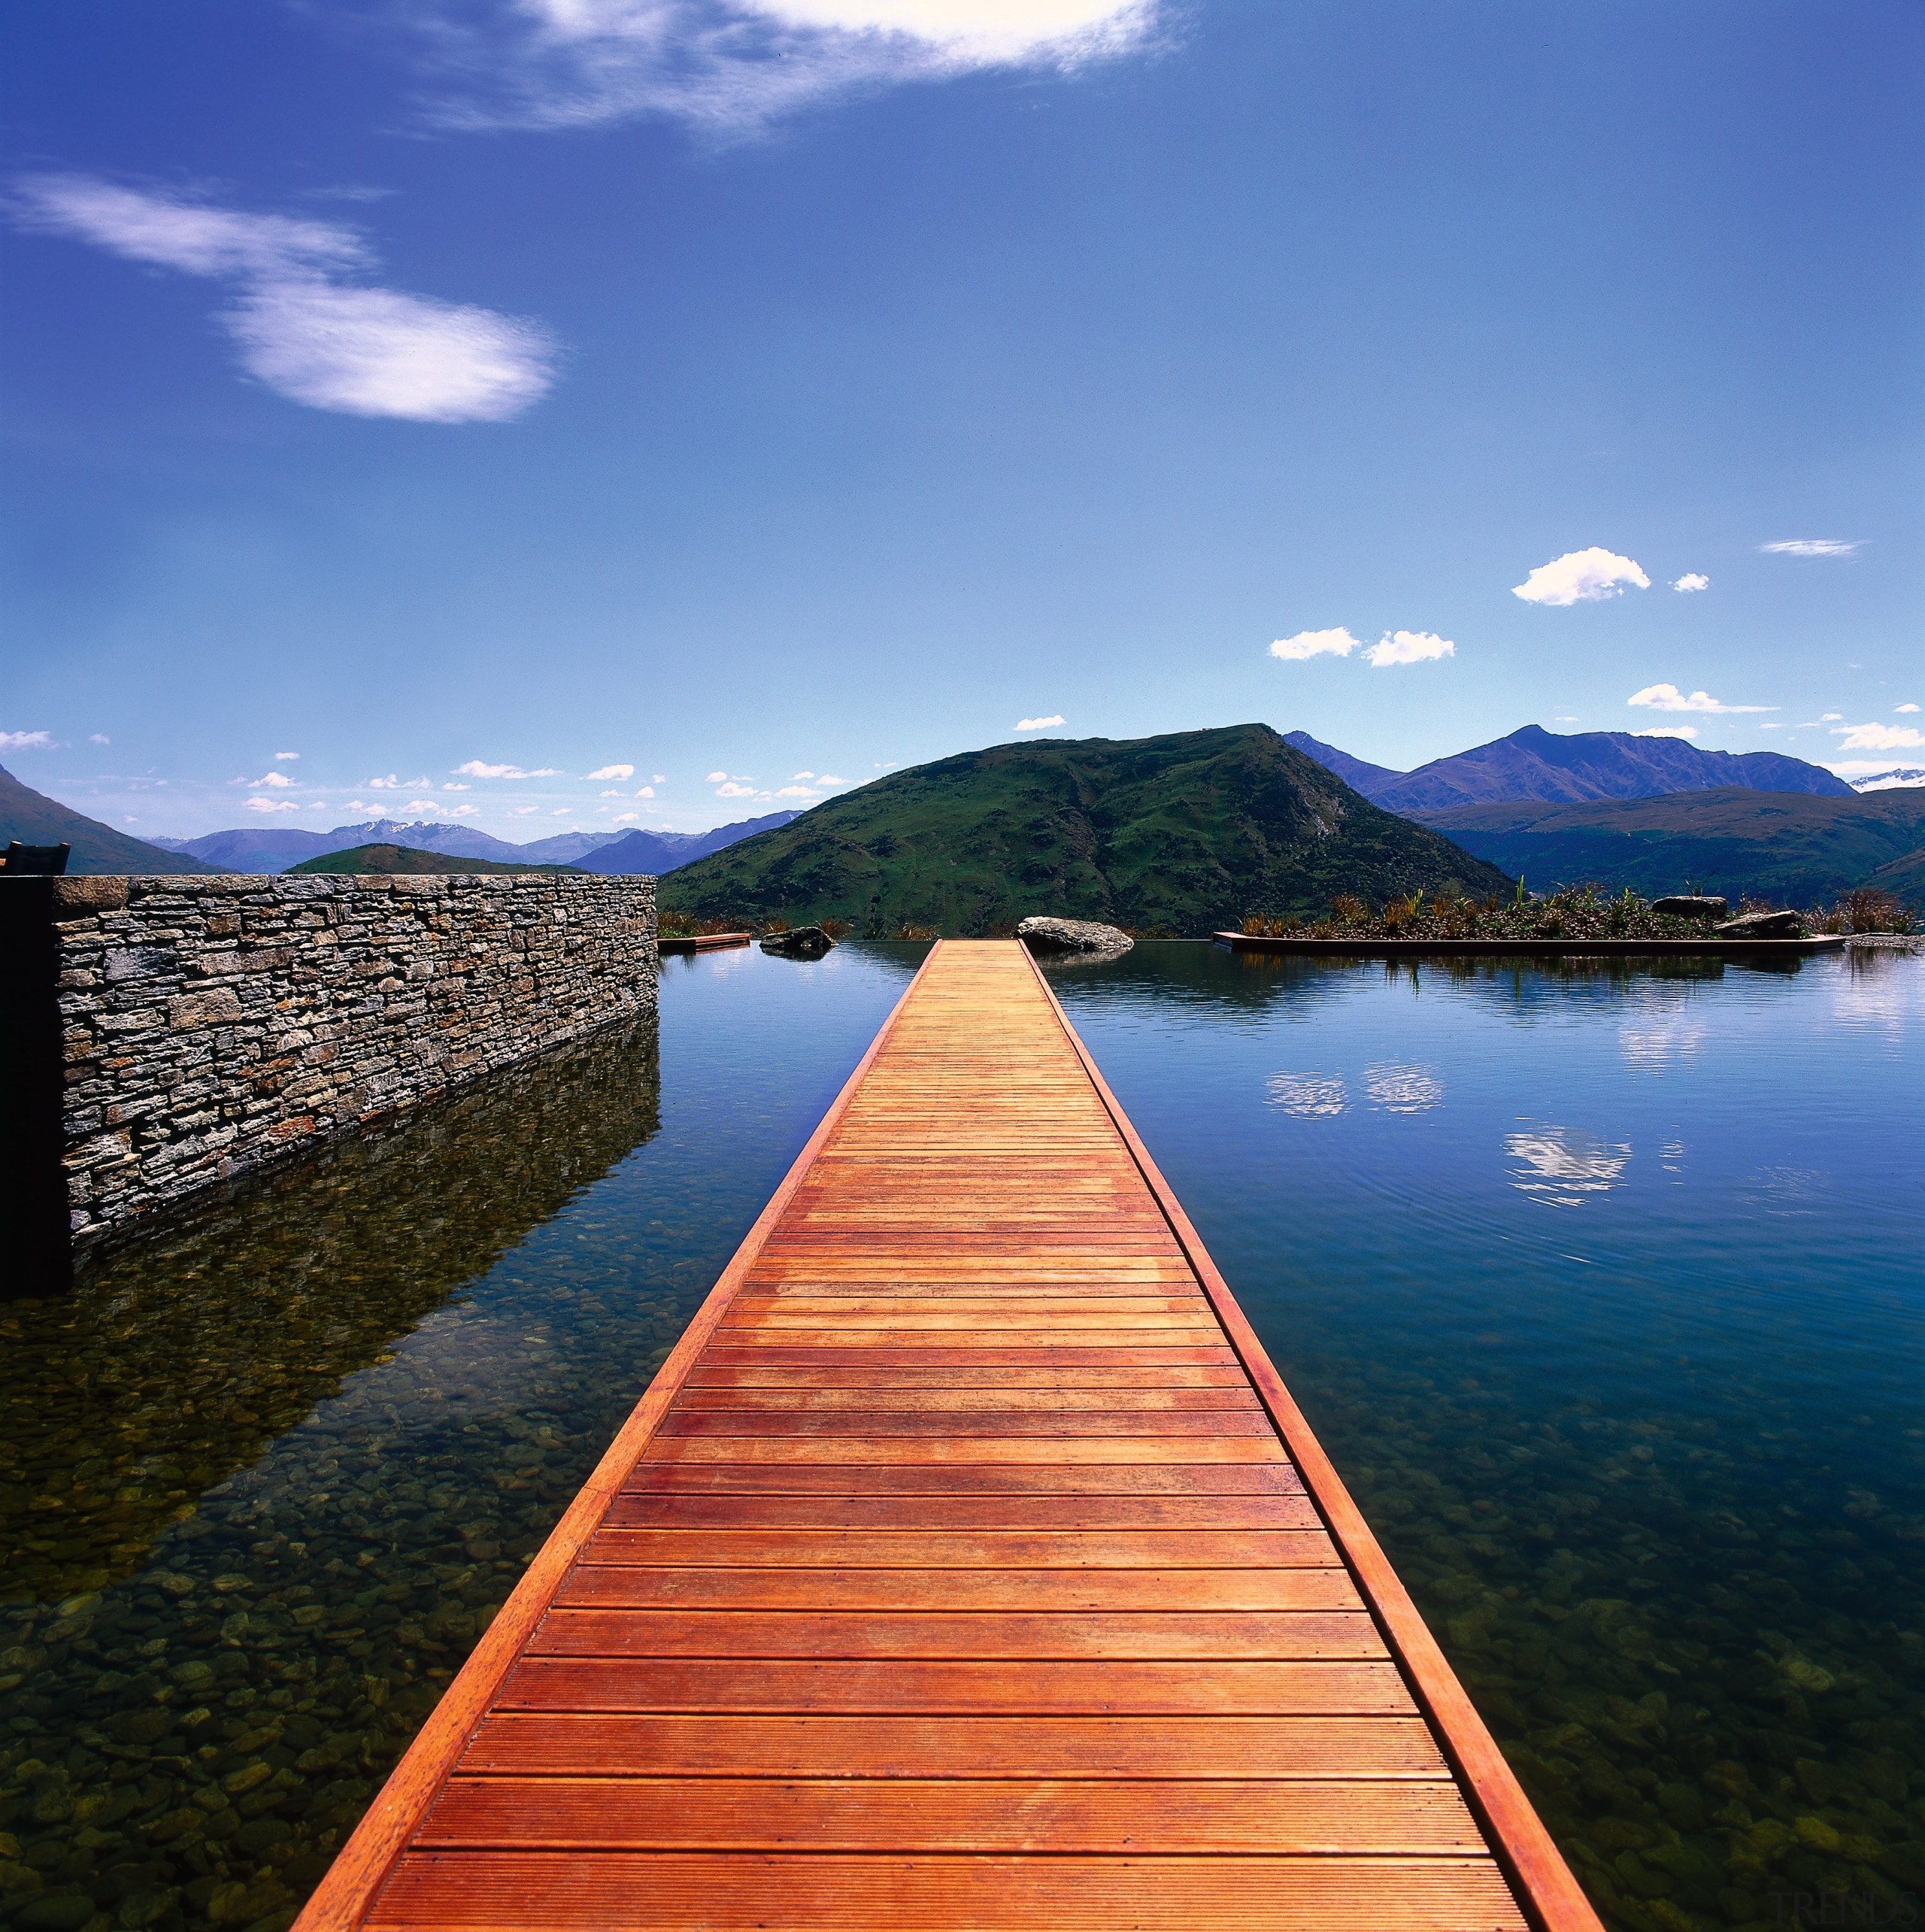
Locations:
{"points": [[489, 395]]}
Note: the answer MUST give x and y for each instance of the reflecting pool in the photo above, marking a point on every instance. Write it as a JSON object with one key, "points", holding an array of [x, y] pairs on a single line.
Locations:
{"points": [[1601, 1287]]}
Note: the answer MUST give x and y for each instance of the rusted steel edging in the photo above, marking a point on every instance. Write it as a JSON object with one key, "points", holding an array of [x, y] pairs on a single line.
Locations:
{"points": [[343, 1897], [1546, 1890], [1489, 949]]}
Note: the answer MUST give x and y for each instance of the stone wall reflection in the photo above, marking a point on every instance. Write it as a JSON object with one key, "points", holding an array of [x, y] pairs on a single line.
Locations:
{"points": [[181, 1353]]}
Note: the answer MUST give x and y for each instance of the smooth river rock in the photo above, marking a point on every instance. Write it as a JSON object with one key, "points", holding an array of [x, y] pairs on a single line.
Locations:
{"points": [[1692, 905], [799, 942], [1084, 937], [1761, 926]]}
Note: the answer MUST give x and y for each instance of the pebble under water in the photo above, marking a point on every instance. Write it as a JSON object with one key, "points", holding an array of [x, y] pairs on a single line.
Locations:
{"points": [[1601, 1288]]}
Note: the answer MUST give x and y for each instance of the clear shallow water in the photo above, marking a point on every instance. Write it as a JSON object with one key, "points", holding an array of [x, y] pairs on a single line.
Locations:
{"points": [[1603, 1291]]}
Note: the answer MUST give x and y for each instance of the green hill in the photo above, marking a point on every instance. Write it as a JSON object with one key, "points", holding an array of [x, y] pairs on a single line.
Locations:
{"points": [[34, 819], [1787, 846], [1184, 833], [389, 858]]}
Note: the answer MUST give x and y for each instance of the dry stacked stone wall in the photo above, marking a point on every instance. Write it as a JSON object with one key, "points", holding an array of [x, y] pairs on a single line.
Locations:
{"points": [[210, 1023]]}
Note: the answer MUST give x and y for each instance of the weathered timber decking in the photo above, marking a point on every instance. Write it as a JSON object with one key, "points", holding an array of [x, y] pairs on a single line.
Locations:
{"points": [[704, 942], [966, 1565]]}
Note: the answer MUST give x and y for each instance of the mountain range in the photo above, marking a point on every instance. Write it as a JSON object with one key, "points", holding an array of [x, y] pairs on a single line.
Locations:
{"points": [[1534, 763], [34, 819], [273, 848], [1182, 833]]}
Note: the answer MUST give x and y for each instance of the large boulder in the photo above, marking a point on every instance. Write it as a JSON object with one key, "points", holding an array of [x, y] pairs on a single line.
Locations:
{"points": [[1692, 905], [798, 943], [1761, 926], [1084, 938]]}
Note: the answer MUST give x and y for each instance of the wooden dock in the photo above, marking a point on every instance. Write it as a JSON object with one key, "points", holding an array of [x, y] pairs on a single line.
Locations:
{"points": [[966, 1565], [703, 942]]}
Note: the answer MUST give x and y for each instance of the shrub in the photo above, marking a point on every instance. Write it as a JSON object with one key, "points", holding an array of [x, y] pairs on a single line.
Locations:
{"points": [[1870, 908], [1348, 909], [837, 928]]}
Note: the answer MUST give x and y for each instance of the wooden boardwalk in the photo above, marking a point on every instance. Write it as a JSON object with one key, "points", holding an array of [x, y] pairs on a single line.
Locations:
{"points": [[966, 1565]]}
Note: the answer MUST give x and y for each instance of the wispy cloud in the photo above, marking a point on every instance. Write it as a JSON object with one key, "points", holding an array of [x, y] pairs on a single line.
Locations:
{"points": [[729, 68], [1669, 697], [303, 331], [283, 757], [1338, 643], [101, 737], [1668, 731], [613, 771], [475, 768], [1408, 646], [1692, 580], [1905, 707], [272, 805], [1580, 577], [1814, 547], [26, 741], [1038, 723]]}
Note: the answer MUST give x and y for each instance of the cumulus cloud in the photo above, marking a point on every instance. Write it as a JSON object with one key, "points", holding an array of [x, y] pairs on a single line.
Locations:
{"points": [[101, 737], [715, 777], [276, 779], [733, 790], [389, 783], [647, 791], [1905, 707], [625, 818], [421, 805], [1669, 697], [1668, 731], [1038, 723], [302, 330], [800, 775], [26, 741], [1814, 547], [1580, 577], [825, 782], [730, 67], [613, 771], [272, 805], [1408, 646], [1877, 737], [1338, 643], [475, 768], [658, 779], [281, 757], [465, 811], [1692, 580]]}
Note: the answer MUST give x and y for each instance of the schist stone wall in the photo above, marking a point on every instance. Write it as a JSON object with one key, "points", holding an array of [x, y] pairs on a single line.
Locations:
{"points": [[210, 1023]]}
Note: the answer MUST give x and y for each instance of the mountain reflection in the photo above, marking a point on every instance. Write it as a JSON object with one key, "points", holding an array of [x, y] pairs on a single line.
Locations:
{"points": [[181, 1352]]}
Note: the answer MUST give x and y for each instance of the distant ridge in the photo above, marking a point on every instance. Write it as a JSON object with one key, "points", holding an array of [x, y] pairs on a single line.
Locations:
{"points": [[1534, 763], [1358, 773], [394, 859], [34, 819], [640, 851]]}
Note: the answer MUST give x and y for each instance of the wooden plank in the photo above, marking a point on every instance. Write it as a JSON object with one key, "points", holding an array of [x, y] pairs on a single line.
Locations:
{"points": [[1300, 1816], [956, 1570], [672, 1891], [910, 1744]]}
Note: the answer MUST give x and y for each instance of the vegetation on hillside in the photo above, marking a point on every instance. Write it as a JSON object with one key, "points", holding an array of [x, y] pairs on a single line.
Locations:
{"points": [[1179, 835], [1795, 848], [391, 859]]}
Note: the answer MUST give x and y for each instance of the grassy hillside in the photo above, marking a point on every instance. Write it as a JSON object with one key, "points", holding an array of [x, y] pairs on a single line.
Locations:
{"points": [[1184, 833], [34, 819], [406, 858], [1787, 846]]}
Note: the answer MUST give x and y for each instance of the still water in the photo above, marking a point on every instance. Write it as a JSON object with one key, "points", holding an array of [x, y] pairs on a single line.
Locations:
{"points": [[1603, 1290]]}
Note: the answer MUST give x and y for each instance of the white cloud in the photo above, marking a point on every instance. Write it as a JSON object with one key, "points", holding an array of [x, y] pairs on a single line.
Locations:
{"points": [[1668, 731], [625, 818], [613, 771], [801, 775], [130, 819], [825, 782], [26, 741], [1814, 547], [1566, 721], [272, 805], [1898, 708], [276, 779], [454, 785], [659, 779], [101, 737], [421, 805], [1692, 580], [522, 810], [732, 789], [389, 783], [731, 66], [1038, 723], [1408, 646], [647, 791], [1669, 697], [609, 795], [475, 768], [1338, 643], [796, 791], [465, 811], [560, 811], [1580, 577], [281, 757], [303, 332], [715, 777], [1877, 737]]}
